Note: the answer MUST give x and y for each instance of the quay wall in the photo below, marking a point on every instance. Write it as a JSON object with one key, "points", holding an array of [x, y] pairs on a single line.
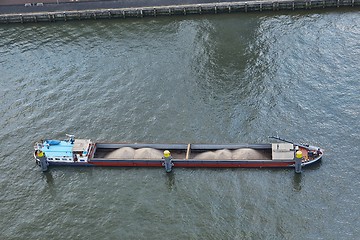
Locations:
{"points": [[206, 8]]}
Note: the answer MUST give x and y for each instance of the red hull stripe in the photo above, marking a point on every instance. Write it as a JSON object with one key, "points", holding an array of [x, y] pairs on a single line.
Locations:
{"points": [[206, 164]]}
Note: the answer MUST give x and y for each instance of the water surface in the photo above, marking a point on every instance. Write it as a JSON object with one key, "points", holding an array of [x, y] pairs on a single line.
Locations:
{"points": [[207, 79]]}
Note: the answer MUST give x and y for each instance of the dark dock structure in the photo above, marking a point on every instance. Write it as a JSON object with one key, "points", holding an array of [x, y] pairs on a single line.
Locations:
{"points": [[19, 11]]}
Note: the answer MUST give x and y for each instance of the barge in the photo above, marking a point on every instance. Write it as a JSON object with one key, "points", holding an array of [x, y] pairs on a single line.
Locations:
{"points": [[84, 152]]}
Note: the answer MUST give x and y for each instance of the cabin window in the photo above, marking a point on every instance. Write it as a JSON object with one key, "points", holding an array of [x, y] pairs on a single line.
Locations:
{"points": [[50, 159], [57, 158], [64, 159]]}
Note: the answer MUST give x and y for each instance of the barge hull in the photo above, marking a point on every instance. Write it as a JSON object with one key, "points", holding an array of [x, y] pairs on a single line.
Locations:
{"points": [[192, 164], [84, 152]]}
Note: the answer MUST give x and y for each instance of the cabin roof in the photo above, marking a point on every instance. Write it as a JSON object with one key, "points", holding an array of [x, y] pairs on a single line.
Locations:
{"points": [[63, 149], [81, 145]]}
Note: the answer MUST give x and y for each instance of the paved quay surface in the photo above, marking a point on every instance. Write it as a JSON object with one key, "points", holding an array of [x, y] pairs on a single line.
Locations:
{"points": [[18, 6]]}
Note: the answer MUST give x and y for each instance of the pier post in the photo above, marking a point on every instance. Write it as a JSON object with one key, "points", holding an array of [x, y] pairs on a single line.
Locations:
{"points": [[167, 161], [42, 160], [43, 164], [298, 161]]}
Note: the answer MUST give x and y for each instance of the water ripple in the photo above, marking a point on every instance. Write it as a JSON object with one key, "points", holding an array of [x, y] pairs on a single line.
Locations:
{"points": [[219, 79]]}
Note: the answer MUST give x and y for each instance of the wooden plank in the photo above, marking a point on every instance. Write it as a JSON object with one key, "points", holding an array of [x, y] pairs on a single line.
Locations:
{"points": [[188, 151]]}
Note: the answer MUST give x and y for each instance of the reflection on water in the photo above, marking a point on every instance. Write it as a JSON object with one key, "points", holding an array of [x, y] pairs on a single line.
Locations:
{"points": [[297, 181], [49, 178], [170, 180]]}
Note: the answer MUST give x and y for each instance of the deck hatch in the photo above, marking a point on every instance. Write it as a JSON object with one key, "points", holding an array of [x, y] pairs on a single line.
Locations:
{"points": [[282, 151]]}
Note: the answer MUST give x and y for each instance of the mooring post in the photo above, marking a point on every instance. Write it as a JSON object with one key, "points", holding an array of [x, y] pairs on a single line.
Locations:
{"points": [[42, 160], [215, 9], [298, 161], [43, 163], [167, 161]]}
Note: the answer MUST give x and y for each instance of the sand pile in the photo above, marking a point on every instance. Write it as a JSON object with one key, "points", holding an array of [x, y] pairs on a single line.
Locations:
{"points": [[223, 154], [239, 154], [130, 153], [248, 154], [210, 155], [206, 156], [122, 153], [148, 153]]}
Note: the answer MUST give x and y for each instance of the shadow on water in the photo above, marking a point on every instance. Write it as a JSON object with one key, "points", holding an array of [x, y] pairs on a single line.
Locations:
{"points": [[48, 178], [170, 181], [297, 182], [298, 177]]}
